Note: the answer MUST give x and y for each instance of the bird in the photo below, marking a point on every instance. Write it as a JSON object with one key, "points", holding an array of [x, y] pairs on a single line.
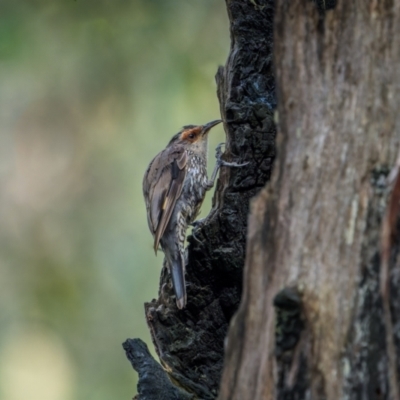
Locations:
{"points": [[174, 187]]}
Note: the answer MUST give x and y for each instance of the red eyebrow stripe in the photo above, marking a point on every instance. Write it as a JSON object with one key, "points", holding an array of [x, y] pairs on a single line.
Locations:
{"points": [[185, 134]]}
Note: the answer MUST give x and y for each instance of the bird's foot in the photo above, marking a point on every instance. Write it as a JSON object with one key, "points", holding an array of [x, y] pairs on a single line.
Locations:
{"points": [[221, 162], [218, 151], [232, 164], [196, 226]]}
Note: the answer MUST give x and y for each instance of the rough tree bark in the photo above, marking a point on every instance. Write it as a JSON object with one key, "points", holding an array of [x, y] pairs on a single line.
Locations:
{"points": [[320, 313], [190, 343]]}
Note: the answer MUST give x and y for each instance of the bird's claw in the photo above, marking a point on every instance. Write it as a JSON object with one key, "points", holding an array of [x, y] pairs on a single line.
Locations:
{"points": [[195, 237], [232, 164], [221, 162], [197, 223], [218, 151], [196, 226]]}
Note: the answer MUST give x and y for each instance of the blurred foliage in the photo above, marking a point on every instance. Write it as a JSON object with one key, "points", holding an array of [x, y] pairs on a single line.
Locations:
{"points": [[90, 92]]}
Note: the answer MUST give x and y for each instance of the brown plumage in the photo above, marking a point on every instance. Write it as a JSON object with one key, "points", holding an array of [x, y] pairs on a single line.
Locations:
{"points": [[174, 188]]}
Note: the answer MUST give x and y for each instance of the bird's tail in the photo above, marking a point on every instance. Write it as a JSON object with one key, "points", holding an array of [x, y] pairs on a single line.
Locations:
{"points": [[178, 280]]}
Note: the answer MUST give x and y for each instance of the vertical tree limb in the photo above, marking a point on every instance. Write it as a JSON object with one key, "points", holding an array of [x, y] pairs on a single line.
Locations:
{"points": [[190, 343], [316, 229]]}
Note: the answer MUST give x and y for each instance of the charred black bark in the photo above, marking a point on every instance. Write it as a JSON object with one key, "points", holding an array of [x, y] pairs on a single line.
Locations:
{"points": [[153, 381], [190, 342]]}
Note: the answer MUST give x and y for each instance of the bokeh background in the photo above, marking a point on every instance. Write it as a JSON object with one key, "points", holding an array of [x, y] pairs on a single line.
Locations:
{"points": [[90, 91]]}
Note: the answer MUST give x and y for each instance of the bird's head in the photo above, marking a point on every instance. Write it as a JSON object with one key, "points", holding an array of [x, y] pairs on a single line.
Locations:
{"points": [[194, 136]]}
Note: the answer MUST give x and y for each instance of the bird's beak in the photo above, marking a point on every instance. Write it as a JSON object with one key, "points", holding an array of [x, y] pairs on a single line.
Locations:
{"points": [[208, 126]]}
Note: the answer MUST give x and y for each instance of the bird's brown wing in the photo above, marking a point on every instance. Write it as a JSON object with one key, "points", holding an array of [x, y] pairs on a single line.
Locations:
{"points": [[162, 186]]}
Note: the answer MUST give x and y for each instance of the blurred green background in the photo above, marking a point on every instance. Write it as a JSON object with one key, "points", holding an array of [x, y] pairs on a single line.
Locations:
{"points": [[90, 91]]}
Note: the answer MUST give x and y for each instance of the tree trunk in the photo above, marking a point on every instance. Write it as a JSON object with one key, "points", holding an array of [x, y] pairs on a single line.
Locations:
{"points": [[320, 312], [190, 343]]}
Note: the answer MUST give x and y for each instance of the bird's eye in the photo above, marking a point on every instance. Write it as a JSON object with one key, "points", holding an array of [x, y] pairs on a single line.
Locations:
{"points": [[192, 136]]}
